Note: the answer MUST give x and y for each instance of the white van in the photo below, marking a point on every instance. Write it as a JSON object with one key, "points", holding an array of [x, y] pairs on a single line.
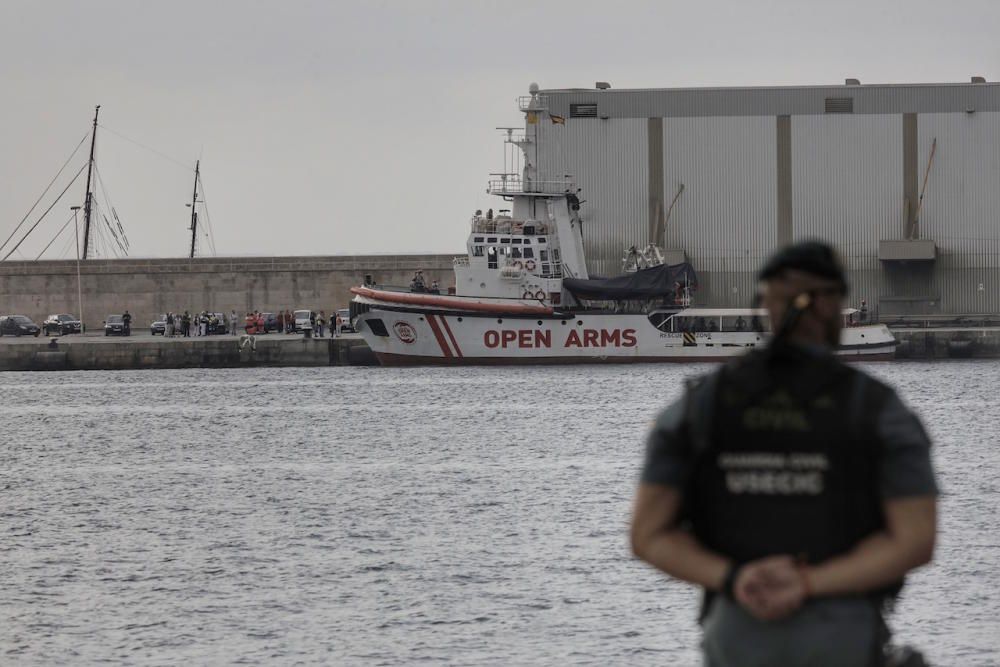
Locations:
{"points": [[302, 321]]}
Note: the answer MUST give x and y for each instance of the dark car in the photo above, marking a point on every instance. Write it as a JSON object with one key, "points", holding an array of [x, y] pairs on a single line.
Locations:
{"points": [[114, 326], [270, 322], [62, 324], [18, 325], [159, 325]]}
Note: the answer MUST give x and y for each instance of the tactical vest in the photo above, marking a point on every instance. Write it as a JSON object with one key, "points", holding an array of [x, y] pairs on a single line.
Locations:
{"points": [[786, 458]]}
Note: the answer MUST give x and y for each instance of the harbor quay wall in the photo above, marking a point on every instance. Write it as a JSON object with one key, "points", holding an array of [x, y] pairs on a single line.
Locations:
{"points": [[95, 352], [948, 343], [148, 287], [208, 352]]}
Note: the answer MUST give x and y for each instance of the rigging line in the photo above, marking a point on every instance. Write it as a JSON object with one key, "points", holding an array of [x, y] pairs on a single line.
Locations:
{"points": [[110, 209], [61, 230], [65, 250], [186, 167], [51, 206], [208, 218], [114, 234], [47, 188], [106, 246]]}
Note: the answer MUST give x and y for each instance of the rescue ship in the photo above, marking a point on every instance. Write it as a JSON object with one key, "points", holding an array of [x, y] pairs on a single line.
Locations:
{"points": [[522, 295]]}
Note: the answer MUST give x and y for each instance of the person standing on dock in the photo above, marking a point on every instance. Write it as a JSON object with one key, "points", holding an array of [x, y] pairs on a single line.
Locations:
{"points": [[233, 322], [320, 323], [795, 490], [281, 321], [127, 323]]}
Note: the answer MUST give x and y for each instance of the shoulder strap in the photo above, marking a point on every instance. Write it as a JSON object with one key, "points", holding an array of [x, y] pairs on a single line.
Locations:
{"points": [[699, 410]]}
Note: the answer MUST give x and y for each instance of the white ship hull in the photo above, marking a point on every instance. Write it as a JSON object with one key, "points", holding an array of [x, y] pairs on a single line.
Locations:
{"points": [[400, 336]]}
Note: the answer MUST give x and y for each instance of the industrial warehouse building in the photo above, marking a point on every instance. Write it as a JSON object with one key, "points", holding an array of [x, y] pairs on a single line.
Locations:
{"points": [[721, 176]]}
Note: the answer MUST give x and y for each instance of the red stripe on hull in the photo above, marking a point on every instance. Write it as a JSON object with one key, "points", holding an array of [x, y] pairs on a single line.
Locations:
{"points": [[437, 334], [451, 336]]}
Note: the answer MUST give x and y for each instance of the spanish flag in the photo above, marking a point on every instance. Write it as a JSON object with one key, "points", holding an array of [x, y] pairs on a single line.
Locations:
{"points": [[532, 117], [557, 120]]}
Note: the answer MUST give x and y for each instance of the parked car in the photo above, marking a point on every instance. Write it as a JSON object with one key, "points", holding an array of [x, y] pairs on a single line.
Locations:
{"points": [[346, 326], [217, 324], [159, 325], [18, 325], [61, 324], [114, 326], [302, 321], [270, 322]]}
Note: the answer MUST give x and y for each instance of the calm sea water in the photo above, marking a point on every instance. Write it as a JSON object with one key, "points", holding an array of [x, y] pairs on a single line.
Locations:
{"points": [[383, 516]]}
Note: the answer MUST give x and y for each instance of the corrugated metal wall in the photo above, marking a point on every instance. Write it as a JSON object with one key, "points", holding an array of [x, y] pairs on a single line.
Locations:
{"points": [[847, 188], [725, 218], [847, 184], [961, 209], [609, 160]]}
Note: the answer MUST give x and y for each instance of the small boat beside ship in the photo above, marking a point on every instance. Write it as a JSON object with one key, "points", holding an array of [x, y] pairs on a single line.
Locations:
{"points": [[523, 295]]}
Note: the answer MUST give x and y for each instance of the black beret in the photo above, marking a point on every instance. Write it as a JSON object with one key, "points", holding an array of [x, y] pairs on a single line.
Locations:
{"points": [[813, 257]]}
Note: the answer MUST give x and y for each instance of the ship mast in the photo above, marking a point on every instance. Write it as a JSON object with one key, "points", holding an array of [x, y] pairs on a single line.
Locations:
{"points": [[87, 202], [194, 211]]}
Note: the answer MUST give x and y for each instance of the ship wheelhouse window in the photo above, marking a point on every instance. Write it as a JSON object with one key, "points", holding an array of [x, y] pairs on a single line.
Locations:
{"points": [[555, 254], [515, 241], [477, 239], [546, 269], [505, 240], [541, 239], [491, 239], [491, 258], [544, 255], [477, 251], [528, 253], [515, 253]]}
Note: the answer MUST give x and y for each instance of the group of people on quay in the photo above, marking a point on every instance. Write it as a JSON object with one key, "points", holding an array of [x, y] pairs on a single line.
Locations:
{"points": [[253, 322], [199, 324]]}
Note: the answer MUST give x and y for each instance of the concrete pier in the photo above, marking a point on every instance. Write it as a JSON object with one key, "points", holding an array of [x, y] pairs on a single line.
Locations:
{"points": [[139, 352], [948, 343]]}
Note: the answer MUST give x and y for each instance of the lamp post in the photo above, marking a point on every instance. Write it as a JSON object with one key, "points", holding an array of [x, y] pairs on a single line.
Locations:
{"points": [[79, 289]]}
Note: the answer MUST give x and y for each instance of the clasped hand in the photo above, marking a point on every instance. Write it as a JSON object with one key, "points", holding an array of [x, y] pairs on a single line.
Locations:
{"points": [[770, 588]]}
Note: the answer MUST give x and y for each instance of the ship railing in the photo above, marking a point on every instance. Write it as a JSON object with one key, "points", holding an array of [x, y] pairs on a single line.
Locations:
{"points": [[533, 102], [460, 261], [513, 184], [505, 225]]}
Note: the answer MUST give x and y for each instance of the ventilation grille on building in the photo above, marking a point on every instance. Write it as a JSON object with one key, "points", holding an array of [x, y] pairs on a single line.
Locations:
{"points": [[583, 110], [840, 105]]}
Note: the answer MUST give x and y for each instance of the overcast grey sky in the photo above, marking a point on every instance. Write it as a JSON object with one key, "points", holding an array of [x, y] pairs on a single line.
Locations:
{"points": [[367, 127]]}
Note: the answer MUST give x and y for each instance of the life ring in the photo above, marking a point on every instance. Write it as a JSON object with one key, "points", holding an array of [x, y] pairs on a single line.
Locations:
{"points": [[540, 295], [530, 265], [517, 263], [526, 295]]}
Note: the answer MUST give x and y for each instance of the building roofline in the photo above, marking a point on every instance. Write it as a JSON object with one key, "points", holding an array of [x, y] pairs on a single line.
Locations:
{"points": [[703, 89]]}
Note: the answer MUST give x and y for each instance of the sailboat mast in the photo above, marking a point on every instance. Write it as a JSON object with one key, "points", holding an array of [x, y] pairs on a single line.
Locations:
{"points": [[87, 202], [194, 211]]}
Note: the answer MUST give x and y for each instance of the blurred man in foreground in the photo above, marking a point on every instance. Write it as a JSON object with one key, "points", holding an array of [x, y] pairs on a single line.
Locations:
{"points": [[795, 490]]}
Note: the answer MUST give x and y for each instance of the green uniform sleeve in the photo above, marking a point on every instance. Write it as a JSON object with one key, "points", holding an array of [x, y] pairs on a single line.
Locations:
{"points": [[906, 468], [668, 458]]}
